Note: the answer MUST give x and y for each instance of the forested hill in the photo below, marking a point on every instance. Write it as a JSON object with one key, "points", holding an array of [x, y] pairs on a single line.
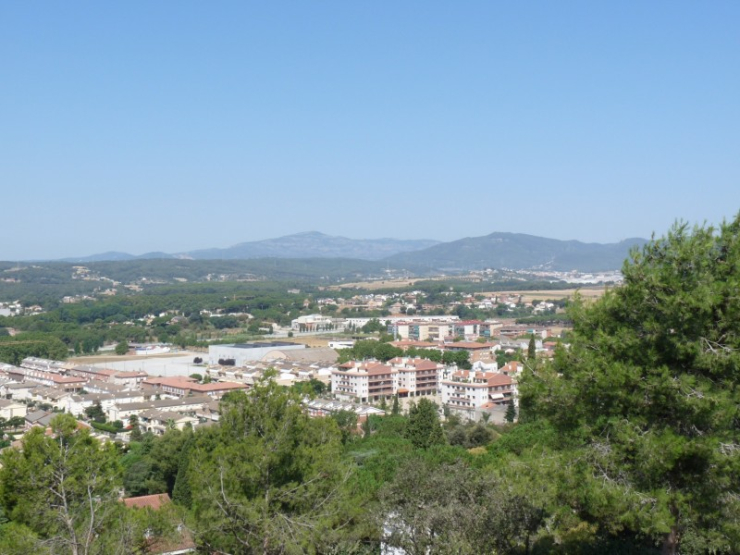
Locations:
{"points": [[519, 251], [311, 244], [514, 251]]}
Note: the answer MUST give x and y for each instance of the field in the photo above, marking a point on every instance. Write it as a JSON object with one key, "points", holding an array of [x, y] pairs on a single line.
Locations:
{"points": [[588, 293], [378, 284]]}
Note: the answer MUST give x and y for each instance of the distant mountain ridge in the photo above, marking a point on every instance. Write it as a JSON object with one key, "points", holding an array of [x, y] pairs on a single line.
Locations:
{"points": [[310, 244], [115, 256], [516, 251], [313, 244]]}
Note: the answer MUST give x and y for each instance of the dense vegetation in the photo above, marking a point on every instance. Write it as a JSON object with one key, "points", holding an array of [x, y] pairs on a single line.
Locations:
{"points": [[86, 326], [628, 442]]}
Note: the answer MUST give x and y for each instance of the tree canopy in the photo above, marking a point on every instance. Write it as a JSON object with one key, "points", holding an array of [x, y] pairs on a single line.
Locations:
{"points": [[646, 398]]}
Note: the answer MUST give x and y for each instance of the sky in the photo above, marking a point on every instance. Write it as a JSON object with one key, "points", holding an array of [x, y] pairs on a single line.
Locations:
{"points": [[173, 126]]}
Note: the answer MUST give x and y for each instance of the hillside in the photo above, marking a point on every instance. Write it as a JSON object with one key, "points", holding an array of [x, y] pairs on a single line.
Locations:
{"points": [[518, 251]]}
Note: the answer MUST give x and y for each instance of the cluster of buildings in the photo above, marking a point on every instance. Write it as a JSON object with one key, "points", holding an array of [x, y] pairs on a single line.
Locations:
{"points": [[16, 308], [39, 388], [469, 392], [421, 328], [157, 403]]}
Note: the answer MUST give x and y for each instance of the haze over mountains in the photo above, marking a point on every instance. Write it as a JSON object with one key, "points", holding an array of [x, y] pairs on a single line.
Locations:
{"points": [[497, 250]]}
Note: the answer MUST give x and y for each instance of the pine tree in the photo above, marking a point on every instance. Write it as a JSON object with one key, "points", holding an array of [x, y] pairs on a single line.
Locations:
{"points": [[423, 428], [647, 393], [532, 349], [510, 415], [396, 409], [181, 492]]}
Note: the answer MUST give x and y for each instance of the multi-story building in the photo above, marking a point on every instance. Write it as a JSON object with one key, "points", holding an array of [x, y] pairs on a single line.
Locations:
{"points": [[129, 379], [467, 390], [316, 322], [441, 329], [402, 376], [48, 379], [186, 405], [365, 381], [416, 376], [417, 330], [46, 365], [182, 386], [241, 354], [482, 352]]}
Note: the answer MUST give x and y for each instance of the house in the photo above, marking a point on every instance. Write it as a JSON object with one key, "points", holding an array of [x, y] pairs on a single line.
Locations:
{"points": [[154, 502], [117, 377], [326, 407], [76, 404], [186, 405], [40, 418], [57, 398], [158, 422], [10, 409], [181, 386], [513, 368], [17, 391]]}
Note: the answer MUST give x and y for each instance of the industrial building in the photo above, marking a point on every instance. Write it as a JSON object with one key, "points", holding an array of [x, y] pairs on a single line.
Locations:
{"points": [[239, 354]]}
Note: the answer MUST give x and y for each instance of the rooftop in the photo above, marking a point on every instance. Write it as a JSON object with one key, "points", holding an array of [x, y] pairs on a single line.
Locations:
{"points": [[263, 345]]}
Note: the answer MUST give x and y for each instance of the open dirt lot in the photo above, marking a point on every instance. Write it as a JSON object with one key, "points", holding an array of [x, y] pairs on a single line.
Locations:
{"points": [[375, 285], [556, 294], [310, 340]]}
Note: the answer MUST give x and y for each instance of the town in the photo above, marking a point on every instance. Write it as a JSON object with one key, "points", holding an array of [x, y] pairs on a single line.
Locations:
{"points": [[117, 402]]}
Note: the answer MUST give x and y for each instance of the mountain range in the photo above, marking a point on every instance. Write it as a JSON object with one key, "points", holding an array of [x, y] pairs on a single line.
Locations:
{"points": [[515, 251]]}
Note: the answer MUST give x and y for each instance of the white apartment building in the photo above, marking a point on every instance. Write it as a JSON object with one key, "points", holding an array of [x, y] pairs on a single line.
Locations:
{"points": [[402, 376], [365, 381], [316, 322], [417, 376], [468, 390]]}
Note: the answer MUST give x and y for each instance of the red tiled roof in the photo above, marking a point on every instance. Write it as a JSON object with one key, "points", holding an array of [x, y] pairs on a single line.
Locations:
{"points": [[425, 365], [469, 345], [65, 379], [499, 379], [151, 501]]}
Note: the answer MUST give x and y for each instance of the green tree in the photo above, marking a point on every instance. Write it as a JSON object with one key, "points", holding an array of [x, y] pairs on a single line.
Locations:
{"points": [[453, 509], [396, 408], [510, 415], [532, 349], [423, 428], [63, 488], [95, 412], [273, 481], [347, 422], [647, 397], [181, 493], [122, 348]]}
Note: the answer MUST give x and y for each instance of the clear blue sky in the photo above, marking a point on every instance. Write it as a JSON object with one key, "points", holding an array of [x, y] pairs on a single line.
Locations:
{"points": [[143, 126]]}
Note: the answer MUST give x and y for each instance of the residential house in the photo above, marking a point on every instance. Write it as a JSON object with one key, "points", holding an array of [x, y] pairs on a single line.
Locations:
{"points": [[10, 409]]}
